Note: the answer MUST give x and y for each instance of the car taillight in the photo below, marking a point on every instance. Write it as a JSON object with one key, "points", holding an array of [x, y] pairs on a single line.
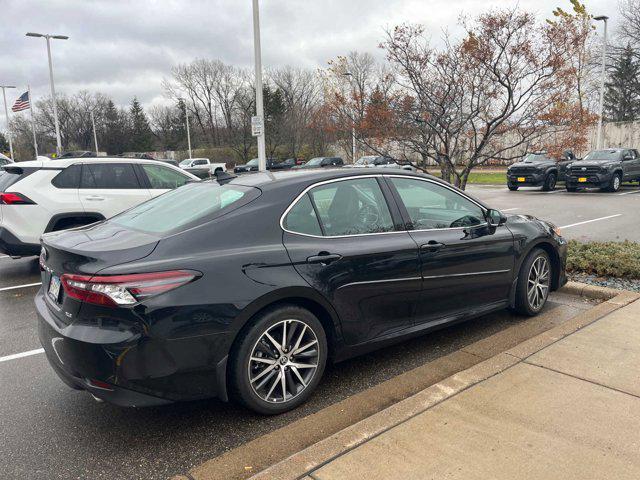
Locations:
{"points": [[116, 290], [11, 198]]}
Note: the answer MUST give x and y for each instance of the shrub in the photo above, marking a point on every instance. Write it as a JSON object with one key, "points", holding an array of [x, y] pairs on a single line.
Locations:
{"points": [[615, 259]]}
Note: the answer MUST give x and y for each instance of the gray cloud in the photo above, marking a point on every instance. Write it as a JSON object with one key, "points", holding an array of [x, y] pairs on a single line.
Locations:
{"points": [[124, 48]]}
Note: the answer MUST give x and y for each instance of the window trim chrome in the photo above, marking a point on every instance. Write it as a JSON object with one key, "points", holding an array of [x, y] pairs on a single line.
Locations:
{"points": [[378, 175]]}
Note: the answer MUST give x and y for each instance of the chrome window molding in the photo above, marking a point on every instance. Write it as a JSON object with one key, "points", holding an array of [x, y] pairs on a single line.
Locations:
{"points": [[355, 177]]}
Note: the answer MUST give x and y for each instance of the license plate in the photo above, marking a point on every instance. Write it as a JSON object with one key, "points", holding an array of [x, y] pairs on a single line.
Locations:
{"points": [[522, 179], [54, 288], [582, 179]]}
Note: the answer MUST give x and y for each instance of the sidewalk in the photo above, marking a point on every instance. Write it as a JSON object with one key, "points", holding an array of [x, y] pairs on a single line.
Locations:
{"points": [[564, 405]]}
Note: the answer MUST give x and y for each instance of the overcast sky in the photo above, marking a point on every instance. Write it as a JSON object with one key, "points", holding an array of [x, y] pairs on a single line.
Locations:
{"points": [[125, 47]]}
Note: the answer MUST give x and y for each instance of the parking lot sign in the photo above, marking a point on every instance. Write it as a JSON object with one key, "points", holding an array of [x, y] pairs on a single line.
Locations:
{"points": [[257, 126]]}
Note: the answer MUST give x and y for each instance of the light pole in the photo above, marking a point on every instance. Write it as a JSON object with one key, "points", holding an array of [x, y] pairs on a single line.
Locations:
{"points": [[603, 18], [6, 115], [353, 124], [95, 135], [259, 121], [48, 38], [186, 118]]}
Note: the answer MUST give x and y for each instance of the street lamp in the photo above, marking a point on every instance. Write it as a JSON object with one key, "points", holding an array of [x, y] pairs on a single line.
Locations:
{"points": [[6, 115], [353, 124], [257, 122], [604, 19], [53, 90]]}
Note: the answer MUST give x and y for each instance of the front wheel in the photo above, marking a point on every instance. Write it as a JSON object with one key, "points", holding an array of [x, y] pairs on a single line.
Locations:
{"points": [[614, 186], [549, 183], [534, 283], [572, 189], [513, 188], [279, 360]]}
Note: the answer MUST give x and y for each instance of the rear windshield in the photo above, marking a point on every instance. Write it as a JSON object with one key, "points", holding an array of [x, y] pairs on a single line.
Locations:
{"points": [[7, 179], [603, 155], [186, 207]]}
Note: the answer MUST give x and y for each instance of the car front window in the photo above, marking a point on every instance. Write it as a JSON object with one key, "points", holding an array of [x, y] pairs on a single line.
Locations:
{"points": [[603, 155], [431, 206], [184, 163]]}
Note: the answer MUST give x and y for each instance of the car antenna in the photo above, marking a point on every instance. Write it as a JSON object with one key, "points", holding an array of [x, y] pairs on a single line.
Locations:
{"points": [[224, 177]]}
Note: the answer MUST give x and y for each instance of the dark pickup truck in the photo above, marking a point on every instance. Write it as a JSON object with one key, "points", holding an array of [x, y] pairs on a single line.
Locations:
{"points": [[539, 170], [605, 169]]}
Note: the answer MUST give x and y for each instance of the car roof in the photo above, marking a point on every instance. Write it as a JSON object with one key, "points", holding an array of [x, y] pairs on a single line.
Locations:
{"points": [[66, 162]]}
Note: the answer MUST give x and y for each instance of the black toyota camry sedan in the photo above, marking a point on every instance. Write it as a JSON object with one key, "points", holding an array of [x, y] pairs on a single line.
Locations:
{"points": [[246, 290]]}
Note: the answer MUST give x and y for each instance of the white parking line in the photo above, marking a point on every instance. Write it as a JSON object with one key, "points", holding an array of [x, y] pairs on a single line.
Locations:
{"points": [[3, 256], [590, 221], [509, 209], [16, 287], [629, 193], [21, 355]]}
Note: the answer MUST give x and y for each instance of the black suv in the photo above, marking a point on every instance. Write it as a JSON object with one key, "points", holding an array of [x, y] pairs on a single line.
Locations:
{"points": [[539, 170], [606, 169]]}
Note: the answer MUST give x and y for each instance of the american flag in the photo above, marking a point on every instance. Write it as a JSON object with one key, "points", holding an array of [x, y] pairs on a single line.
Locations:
{"points": [[22, 103]]}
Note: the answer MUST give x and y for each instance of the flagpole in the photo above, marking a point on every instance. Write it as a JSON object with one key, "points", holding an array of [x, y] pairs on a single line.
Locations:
{"points": [[95, 135], [33, 122]]}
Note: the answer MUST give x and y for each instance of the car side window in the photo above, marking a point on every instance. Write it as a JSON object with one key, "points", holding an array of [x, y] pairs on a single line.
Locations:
{"points": [[163, 177], [352, 207], [68, 178], [432, 206], [199, 162], [302, 218], [109, 176]]}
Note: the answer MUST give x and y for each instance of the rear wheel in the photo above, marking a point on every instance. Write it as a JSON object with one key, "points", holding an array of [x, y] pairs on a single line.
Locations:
{"points": [[534, 283], [279, 360], [549, 183]]}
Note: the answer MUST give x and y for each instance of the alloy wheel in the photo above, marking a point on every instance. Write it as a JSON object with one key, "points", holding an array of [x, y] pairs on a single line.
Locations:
{"points": [[283, 361], [616, 183], [538, 283]]}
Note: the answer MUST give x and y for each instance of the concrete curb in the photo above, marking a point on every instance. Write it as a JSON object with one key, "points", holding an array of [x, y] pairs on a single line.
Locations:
{"points": [[590, 291], [306, 461]]}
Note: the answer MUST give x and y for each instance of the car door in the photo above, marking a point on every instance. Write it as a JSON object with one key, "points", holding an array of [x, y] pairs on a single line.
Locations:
{"points": [[344, 238], [160, 179], [634, 165], [466, 265], [111, 187]]}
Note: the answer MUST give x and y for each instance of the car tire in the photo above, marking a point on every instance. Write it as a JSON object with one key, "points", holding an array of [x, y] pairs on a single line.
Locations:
{"points": [[572, 189], [513, 188], [549, 183], [532, 289], [615, 183], [258, 384]]}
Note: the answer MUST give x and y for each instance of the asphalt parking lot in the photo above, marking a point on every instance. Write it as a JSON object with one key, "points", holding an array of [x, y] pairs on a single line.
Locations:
{"points": [[52, 432], [589, 215]]}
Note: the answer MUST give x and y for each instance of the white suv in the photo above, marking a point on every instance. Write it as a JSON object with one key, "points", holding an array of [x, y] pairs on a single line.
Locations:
{"points": [[38, 197]]}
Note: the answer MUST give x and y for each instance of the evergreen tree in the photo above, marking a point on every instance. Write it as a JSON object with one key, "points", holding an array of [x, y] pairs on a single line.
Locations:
{"points": [[4, 143], [141, 136], [622, 95], [114, 138]]}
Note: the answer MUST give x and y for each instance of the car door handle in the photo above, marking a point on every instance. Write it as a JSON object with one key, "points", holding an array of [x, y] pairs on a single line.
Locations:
{"points": [[94, 198], [432, 246], [324, 258]]}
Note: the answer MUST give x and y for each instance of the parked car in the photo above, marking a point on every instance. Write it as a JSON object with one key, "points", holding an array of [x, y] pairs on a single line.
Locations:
{"points": [[38, 197], [606, 169], [247, 289], [539, 170], [374, 161], [253, 165], [4, 160], [202, 167], [77, 154], [322, 162]]}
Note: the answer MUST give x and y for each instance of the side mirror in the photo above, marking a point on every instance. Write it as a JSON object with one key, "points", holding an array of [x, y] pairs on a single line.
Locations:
{"points": [[495, 218]]}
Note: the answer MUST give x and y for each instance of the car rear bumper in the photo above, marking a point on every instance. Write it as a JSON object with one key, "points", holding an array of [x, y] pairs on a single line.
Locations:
{"points": [[134, 371], [11, 245]]}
